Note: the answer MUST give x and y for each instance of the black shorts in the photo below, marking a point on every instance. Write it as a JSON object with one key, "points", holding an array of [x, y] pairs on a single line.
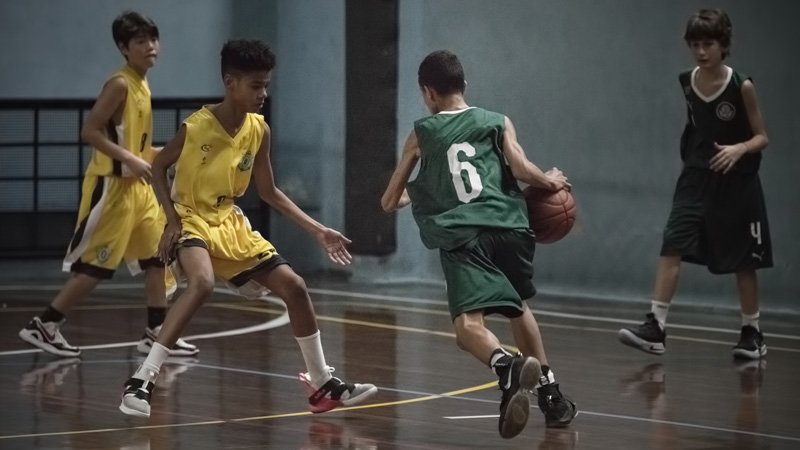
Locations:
{"points": [[720, 221]]}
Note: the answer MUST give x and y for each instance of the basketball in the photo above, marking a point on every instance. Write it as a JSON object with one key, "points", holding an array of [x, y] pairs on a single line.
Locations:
{"points": [[551, 214]]}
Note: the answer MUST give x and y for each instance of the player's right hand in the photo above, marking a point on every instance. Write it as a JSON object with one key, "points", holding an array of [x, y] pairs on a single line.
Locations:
{"points": [[139, 168], [558, 180], [166, 247]]}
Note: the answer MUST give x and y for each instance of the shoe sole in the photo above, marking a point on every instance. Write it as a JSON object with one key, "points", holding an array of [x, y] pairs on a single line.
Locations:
{"points": [[518, 409], [740, 353], [132, 412], [516, 416], [145, 350], [44, 346], [628, 338]]}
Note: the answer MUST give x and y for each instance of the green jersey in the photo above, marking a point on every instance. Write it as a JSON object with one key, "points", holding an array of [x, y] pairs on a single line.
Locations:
{"points": [[720, 118], [463, 184]]}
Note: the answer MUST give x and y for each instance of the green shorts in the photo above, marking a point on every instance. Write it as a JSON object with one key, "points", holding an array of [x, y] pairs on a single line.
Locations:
{"points": [[492, 273], [720, 221]]}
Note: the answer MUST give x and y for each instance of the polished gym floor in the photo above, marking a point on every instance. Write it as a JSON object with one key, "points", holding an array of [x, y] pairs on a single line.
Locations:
{"points": [[241, 391]]}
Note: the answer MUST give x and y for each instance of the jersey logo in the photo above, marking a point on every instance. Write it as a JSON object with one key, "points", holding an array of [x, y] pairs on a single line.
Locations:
{"points": [[103, 254], [206, 149], [246, 162], [725, 111]]}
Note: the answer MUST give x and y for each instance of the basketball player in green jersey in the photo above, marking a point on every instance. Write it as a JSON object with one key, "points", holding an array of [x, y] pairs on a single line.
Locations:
{"points": [[216, 152], [718, 217], [119, 217], [466, 202]]}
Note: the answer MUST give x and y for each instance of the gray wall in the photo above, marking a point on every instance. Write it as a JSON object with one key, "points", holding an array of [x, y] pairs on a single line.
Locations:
{"points": [[592, 88], [591, 85]]}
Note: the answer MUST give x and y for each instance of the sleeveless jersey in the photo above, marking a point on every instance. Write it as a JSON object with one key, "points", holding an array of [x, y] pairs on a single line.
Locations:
{"points": [[214, 167], [134, 132], [463, 184], [721, 119]]}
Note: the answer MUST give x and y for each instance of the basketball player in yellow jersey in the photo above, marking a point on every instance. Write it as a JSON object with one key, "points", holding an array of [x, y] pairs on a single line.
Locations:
{"points": [[119, 217], [215, 152]]}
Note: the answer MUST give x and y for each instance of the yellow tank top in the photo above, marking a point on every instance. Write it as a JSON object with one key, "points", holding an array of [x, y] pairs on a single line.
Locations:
{"points": [[133, 133], [214, 167]]}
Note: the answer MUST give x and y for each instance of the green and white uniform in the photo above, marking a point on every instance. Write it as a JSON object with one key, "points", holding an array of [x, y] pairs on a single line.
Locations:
{"points": [[468, 205], [718, 220]]}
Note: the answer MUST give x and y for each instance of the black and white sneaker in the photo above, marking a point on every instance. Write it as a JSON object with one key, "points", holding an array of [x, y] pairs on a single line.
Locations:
{"points": [[136, 397], [181, 347], [647, 337], [516, 382], [558, 410], [47, 336], [751, 344]]}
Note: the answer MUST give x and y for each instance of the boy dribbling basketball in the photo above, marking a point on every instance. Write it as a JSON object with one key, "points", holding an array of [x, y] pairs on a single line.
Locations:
{"points": [[467, 204]]}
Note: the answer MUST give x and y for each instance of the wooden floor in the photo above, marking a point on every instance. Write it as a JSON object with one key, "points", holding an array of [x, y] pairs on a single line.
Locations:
{"points": [[241, 391]]}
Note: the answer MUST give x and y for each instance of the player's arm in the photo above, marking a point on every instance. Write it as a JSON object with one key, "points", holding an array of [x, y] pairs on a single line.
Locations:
{"points": [[396, 196], [523, 169], [165, 158], [109, 104], [728, 155], [331, 240]]}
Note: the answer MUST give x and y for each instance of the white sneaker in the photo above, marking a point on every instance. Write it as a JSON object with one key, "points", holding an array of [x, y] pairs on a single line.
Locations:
{"points": [[46, 336], [136, 397], [181, 347]]}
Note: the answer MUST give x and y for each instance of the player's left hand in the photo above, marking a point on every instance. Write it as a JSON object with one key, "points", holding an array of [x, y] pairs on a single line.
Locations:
{"points": [[726, 157], [334, 244]]}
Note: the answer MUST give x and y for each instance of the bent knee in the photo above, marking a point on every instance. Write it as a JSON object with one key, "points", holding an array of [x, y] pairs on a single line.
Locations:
{"points": [[294, 288], [203, 285]]}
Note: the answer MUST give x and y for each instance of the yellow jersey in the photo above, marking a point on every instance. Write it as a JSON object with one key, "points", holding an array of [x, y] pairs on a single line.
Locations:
{"points": [[133, 133], [214, 167]]}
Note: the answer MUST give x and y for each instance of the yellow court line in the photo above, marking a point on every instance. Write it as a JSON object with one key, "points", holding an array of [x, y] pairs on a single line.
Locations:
{"points": [[250, 419], [480, 387]]}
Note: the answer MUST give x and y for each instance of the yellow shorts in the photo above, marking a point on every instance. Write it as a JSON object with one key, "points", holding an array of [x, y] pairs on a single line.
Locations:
{"points": [[118, 219], [236, 250]]}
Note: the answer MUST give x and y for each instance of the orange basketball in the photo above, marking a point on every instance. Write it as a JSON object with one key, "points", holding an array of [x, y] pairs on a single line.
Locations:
{"points": [[551, 214]]}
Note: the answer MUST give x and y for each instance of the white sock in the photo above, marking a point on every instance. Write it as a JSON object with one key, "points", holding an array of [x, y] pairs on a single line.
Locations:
{"points": [[660, 310], [311, 348], [751, 319], [149, 369], [548, 376]]}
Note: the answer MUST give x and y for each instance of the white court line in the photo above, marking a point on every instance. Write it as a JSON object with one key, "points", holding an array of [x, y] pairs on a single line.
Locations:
{"points": [[279, 321], [656, 421], [423, 301], [538, 312]]}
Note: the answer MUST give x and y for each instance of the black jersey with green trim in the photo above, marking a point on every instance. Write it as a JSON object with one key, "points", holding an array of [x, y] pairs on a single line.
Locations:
{"points": [[720, 118]]}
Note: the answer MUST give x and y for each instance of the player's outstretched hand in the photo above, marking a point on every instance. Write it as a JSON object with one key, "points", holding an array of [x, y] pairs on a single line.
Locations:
{"points": [[334, 244], [166, 247]]}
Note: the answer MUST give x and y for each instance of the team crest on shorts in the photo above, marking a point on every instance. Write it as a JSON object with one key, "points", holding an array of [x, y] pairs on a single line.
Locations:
{"points": [[103, 254], [246, 162], [726, 111]]}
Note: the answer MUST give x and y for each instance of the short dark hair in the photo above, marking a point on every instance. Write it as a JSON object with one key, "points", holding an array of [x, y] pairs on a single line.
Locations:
{"points": [[711, 24], [441, 70], [130, 24], [243, 55]]}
